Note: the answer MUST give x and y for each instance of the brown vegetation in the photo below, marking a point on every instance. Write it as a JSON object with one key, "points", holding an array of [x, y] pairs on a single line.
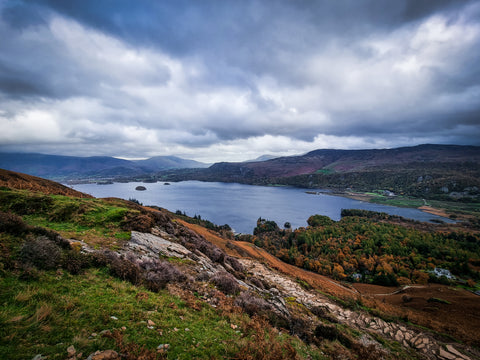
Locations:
{"points": [[458, 316], [19, 181]]}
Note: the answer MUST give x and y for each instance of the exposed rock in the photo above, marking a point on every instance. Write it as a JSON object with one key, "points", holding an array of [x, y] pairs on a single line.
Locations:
{"points": [[163, 348], [454, 351], [71, 351], [39, 357], [152, 245], [446, 355], [140, 188]]}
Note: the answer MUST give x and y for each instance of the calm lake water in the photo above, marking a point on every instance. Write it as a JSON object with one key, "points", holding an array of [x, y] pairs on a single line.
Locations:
{"points": [[241, 205]]}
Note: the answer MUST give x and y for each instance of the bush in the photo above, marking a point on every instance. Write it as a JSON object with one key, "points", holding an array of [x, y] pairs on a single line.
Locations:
{"points": [[252, 304], [138, 222], [323, 312], [159, 273], [12, 224], [257, 282], [123, 268], [327, 332], [41, 252], [25, 205], [226, 283], [236, 265], [74, 262]]}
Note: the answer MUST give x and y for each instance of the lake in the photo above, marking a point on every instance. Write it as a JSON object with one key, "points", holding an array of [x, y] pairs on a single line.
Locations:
{"points": [[241, 205]]}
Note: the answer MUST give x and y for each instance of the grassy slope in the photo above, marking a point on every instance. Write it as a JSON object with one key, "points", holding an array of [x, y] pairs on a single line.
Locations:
{"points": [[58, 310], [44, 312]]}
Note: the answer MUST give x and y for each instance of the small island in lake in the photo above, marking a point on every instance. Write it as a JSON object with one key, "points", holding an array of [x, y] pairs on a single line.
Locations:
{"points": [[140, 188]]}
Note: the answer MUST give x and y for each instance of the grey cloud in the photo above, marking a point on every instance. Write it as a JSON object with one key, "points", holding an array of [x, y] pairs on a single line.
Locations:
{"points": [[196, 74]]}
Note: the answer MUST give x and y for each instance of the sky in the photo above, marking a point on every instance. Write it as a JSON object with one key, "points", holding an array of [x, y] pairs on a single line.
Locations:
{"points": [[230, 80]]}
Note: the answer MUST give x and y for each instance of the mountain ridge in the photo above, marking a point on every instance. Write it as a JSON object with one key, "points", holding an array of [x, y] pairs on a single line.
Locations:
{"points": [[65, 167]]}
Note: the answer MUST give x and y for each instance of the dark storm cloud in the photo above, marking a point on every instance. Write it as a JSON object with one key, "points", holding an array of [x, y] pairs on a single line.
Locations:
{"points": [[198, 78]]}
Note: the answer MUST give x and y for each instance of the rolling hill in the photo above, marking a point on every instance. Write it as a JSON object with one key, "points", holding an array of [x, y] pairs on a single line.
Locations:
{"points": [[71, 167], [424, 170]]}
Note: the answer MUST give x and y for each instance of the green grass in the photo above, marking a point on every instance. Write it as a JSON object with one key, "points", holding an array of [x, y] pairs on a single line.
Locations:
{"points": [[457, 207], [398, 201], [85, 219], [46, 316]]}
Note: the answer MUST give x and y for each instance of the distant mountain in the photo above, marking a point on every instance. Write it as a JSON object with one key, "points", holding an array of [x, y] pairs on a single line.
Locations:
{"points": [[328, 161], [169, 162], [69, 167], [422, 170]]}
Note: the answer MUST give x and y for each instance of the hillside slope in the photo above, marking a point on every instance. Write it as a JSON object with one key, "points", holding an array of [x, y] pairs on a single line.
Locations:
{"points": [[14, 180], [429, 171], [350, 160], [81, 275]]}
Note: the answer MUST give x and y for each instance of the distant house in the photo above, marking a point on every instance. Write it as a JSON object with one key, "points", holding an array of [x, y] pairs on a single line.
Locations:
{"points": [[388, 193], [439, 272], [357, 277]]}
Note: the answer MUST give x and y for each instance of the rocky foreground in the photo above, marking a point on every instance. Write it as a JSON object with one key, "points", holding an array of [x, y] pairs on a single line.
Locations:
{"points": [[285, 296]]}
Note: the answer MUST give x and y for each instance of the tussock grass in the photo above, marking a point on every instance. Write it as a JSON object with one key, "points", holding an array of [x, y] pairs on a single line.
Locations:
{"points": [[56, 311], [95, 221]]}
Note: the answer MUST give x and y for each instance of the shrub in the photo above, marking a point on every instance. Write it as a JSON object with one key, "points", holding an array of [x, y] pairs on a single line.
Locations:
{"points": [[323, 313], [226, 282], [252, 304], [215, 254], [52, 235], [41, 252], [236, 265], [203, 276], [301, 328], [74, 262], [327, 332], [137, 222], [159, 273], [123, 268], [99, 259], [24, 205], [257, 282], [12, 224]]}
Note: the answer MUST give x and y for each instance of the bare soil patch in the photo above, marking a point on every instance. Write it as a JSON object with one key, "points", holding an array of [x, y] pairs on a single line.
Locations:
{"points": [[434, 211]]}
